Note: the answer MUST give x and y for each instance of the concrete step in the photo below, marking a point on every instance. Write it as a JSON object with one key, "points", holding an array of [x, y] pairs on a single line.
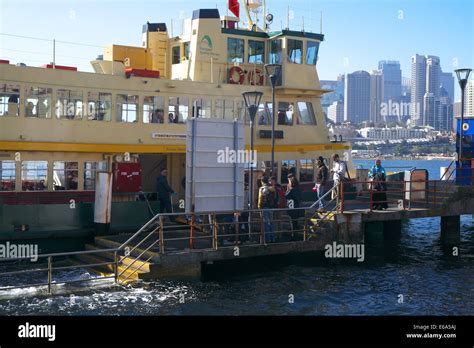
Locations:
{"points": [[125, 260], [105, 243]]}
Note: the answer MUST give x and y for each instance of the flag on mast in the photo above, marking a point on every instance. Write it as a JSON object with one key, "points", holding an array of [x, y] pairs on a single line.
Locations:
{"points": [[234, 7]]}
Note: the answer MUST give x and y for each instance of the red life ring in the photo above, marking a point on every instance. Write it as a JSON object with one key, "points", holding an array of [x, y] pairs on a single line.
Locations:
{"points": [[259, 77], [232, 77]]}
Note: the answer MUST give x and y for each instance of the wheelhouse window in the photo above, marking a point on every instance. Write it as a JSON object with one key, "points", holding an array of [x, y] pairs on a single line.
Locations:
{"points": [[186, 49], [256, 54], [312, 49], [38, 102], [99, 106], [153, 110], [9, 100], [264, 114], [69, 104], [201, 108], [65, 176], [276, 52], [176, 55], [34, 175], [295, 51], [306, 113], [90, 170], [127, 108], [235, 50], [7, 175], [178, 110], [285, 113], [224, 109], [306, 170], [287, 167]]}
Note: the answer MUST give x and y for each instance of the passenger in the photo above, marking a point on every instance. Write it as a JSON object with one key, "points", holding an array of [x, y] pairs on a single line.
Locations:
{"points": [[171, 117], [321, 179], [164, 193], [267, 198], [379, 196], [338, 173], [29, 109], [293, 199], [282, 117], [377, 168], [279, 204]]}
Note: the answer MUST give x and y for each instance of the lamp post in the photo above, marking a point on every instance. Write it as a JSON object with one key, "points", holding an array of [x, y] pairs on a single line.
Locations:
{"points": [[463, 76], [273, 72], [252, 102]]}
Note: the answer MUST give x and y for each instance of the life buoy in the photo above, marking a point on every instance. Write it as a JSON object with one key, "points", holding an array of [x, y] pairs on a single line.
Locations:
{"points": [[258, 80], [236, 75]]}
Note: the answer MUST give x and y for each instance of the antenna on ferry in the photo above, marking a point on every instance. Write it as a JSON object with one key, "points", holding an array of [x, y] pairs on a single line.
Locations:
{"points": [[288, 19], [321, 23]]}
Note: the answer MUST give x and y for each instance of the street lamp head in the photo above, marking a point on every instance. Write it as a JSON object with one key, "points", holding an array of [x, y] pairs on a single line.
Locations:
{"points": [[252, 102], [463, 76], [273, 72]]}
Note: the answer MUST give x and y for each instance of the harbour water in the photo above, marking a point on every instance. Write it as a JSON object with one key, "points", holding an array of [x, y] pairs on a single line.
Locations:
{"points": [[429, 279]]}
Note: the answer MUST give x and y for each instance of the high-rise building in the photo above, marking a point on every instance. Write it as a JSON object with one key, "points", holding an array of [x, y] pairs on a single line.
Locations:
{"points": [[418, 88], [447, 82], [433, 72], [337, 86], [336, 112], [392, 77], [357, 97], [444, 111], [376, 96]]}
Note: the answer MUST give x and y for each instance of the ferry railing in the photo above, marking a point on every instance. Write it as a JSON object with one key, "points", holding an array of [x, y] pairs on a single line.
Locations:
{"points": [[403, 195]]}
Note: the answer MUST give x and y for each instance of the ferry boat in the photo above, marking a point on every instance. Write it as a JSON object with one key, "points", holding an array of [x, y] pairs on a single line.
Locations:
{"points": [[60, 126]]}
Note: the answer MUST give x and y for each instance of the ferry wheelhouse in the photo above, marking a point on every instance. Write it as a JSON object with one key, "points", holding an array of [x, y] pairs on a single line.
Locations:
{"points": [[59, 126]]}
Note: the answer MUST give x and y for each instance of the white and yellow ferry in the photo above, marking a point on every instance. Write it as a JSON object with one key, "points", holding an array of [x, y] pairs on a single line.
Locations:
{"points": [[58, 126]]}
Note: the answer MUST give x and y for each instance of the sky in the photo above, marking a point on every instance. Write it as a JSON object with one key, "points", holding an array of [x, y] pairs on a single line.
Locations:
{"points": [[358, 33]]}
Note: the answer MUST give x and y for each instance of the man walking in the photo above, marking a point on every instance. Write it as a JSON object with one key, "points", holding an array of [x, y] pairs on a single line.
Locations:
{"points": [[321, 179], [267, 200], [164, 193]]}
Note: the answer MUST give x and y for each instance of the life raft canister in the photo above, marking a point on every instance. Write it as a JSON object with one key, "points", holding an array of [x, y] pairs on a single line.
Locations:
{"points": [[258, 79], [236, 75]]}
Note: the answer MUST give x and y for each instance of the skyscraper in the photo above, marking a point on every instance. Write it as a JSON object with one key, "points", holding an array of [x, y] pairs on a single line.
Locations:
{"points": [[336, 112], [392, 80], [433, 72], [376, 96], [357, 97], [469, 101], [418, 88], [447, 82]]}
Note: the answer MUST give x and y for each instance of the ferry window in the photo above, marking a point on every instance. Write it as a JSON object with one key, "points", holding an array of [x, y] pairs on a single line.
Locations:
{"points": [[99, 106], [153, 110], [306, 113], [90, 170], [178, 109], [187, 48], [241, 111], [224, 109], [7, 175], [312, 52], [38, 102], [65, 176], [256, 54], [34, 175], [201, 108], [275, 52], [287, 167], [295, 51], [235, 50], [264, 114], [306, 170], [176, 55], [285, 113], [127, 107], [9, 100], [69, 104]]}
